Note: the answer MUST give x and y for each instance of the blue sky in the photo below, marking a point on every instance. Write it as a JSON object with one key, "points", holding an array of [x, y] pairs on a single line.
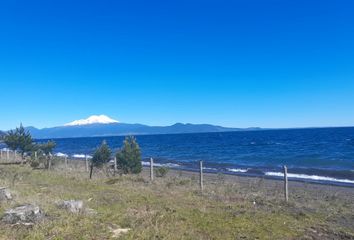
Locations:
{"points": [[233, 63]]}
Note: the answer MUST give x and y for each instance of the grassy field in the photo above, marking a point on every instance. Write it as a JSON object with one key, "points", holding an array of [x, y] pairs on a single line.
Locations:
{"points": [[173, 208]]}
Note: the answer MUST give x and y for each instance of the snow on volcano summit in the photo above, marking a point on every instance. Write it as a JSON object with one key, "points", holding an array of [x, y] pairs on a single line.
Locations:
{"points": [[94, 119]]}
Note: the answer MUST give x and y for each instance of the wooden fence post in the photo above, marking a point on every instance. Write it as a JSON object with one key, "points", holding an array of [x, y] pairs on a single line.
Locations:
{"points": [[151, 169], [7, 154], [35, 155], [286, 193], [0, 153], [14, 155], [115, 164], [91, 170], [50, 162], [87, 164], [201, 176], [66, 161]]}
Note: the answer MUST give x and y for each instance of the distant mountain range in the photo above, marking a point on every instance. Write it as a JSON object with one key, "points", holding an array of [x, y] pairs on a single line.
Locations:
{"points": [[119, 129], [98, 126]]}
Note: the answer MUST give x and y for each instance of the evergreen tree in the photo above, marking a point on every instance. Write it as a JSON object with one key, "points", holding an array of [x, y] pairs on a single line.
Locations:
{"points": [[11, 140], [129, 157], [102, 155], [19, 139]]}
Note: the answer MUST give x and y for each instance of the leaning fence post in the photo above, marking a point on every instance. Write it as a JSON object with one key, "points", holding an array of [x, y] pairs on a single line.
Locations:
{"points": [[87, 165], [151, 169], [115, 164], [201, 176], [286, 193]]}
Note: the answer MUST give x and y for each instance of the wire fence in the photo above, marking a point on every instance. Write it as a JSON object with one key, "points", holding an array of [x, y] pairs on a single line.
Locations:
{"points": [[9, 156], [83, 164]]}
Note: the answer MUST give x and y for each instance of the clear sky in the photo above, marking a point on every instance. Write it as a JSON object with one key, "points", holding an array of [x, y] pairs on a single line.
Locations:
{"points": [[238, 63]]}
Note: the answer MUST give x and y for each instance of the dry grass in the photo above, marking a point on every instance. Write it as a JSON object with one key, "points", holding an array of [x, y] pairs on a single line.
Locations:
{"points": [[173, 207]]}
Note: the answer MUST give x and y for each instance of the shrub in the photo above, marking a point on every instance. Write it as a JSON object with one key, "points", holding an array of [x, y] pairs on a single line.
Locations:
{"points": [[161, 171], [40, 161], [221, 177], [34, 163], [129, 157], [184, 182], [45, 150]]}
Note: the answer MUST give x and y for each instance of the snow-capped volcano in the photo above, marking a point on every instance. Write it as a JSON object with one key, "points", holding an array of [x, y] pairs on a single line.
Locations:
{"points": [[94, 119]]}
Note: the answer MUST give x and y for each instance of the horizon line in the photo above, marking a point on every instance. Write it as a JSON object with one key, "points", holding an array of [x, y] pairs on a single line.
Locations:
{"points": [[241, 128]]}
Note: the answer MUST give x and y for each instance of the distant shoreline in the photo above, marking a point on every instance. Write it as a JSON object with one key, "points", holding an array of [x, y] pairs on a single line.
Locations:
{"points": [[227, 130]]}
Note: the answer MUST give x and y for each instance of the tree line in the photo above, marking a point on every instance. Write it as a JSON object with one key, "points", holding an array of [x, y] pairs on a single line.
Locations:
{"points": [[128, 158]]}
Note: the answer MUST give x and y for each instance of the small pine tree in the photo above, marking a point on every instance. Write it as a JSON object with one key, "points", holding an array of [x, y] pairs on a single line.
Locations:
{"points": [[129, 157], [101, 155], [25, 140]]}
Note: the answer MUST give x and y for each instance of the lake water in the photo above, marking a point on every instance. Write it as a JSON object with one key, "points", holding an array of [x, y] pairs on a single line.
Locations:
{"points": [[323, 155]]}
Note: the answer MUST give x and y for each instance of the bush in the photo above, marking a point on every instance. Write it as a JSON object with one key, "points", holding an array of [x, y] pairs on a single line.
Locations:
{"points": [[221, 177], [129, 157], [184, 182], [41, 161], [34, 163], [45, 150], [161, 172]]}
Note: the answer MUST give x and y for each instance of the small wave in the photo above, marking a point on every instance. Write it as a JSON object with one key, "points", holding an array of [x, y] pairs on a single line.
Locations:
{"points": [[310, 177], [171, 165], [59, 154], [237, 170], [80, 156], [211, 169]]}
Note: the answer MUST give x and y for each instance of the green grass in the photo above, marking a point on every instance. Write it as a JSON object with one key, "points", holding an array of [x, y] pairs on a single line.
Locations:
{"points": [[172, 208]]}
